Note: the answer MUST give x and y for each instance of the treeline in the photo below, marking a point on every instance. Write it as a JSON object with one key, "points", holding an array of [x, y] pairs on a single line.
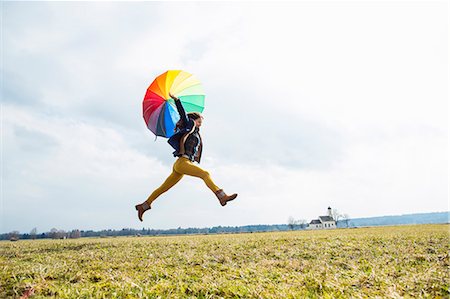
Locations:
{"points": [[346, 222], [60, 234]]}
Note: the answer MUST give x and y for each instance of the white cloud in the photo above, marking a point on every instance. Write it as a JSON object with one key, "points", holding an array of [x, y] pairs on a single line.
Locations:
{"points": [[83, 166], [308, 105]]}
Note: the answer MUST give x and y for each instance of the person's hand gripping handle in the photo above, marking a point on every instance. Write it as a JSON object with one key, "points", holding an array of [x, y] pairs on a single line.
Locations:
{"points": [[173, 97]]}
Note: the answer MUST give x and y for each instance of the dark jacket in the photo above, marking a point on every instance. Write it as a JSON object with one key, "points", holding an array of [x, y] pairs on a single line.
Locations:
{"points": [[178, 139]]}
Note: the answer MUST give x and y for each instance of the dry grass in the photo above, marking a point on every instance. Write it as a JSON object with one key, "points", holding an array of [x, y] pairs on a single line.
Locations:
{"points": [[383, 262]]}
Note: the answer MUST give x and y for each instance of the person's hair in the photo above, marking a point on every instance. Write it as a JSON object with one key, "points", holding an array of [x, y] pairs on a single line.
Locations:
{"points": [[194, 115], [190, 115]]}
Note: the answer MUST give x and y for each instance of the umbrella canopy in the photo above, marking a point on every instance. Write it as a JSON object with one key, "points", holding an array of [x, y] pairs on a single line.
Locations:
{"points": [[159, 110]]}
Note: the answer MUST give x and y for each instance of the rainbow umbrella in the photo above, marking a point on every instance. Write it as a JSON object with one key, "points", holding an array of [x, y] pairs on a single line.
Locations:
{"points": [[159, 110]]}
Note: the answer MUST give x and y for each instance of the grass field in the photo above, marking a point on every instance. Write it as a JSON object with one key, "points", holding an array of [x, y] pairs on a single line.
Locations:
{"points": [[383, 262]]}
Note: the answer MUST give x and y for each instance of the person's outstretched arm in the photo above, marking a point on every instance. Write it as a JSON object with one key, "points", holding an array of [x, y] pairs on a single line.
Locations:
{"points": [[180, 109]]}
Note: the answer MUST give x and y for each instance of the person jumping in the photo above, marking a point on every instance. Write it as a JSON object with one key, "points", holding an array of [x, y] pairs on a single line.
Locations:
{"points": [[188, 148]]}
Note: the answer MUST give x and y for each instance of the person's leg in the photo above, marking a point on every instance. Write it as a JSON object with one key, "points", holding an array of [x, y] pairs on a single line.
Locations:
{"points": [[171, 180], [185, 166]]}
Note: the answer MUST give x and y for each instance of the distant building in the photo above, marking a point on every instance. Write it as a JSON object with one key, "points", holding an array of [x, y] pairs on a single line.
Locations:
{"points": [[324, 222]]}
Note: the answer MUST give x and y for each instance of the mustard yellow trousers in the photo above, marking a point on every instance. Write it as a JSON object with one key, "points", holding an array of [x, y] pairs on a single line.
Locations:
{"points": [[181, 167]]}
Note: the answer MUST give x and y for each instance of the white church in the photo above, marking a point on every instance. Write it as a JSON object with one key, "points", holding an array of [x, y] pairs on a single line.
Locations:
{"points": [[324, 222]]}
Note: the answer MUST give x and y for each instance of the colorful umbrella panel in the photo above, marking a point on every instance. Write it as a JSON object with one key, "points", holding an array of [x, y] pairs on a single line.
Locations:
{"points": [[159, 110]]}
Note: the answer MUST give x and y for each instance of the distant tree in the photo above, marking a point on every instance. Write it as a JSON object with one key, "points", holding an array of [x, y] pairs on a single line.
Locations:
{"points": [[33, 233], [75, 234], [345, 219], [303, 223], [61, 234], [14, 235], [53, 233], [291, 222], [337, 216]]}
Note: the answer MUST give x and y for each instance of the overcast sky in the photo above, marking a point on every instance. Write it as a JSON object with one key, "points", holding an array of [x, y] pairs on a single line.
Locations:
{"points": [[308, 105]]}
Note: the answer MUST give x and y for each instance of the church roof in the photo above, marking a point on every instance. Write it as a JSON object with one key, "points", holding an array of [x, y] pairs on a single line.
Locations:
{"points": [[315, 221], [326, 218]]}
